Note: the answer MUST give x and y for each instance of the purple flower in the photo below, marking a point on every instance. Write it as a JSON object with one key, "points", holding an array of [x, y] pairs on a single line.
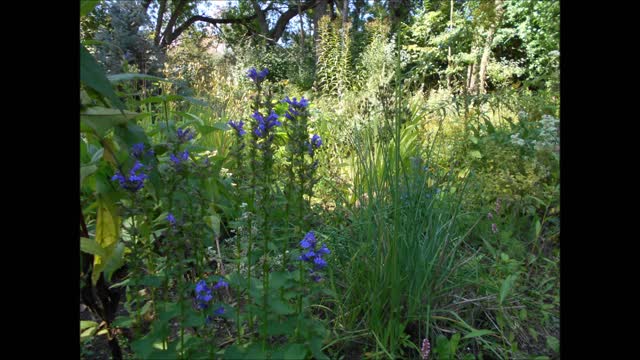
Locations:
{"points": [[494, 228], [313, 255], [135, 180], [219, 311], [179, 161], [184, 136], [237, 126], [220, 284], [263, 125], [256, 76], [137, 150], [489, 215], [316, 142], [203, 295], [308, 241], [426, 348], [324, 250], [171, 219], [303, 103], [319, 262]]}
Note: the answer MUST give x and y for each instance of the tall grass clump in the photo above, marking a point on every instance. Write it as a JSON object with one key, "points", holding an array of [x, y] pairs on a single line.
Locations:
{"points": [[401, 245]]}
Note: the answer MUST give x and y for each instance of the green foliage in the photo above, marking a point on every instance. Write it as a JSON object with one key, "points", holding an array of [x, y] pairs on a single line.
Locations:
{"points": [[441, 208]]}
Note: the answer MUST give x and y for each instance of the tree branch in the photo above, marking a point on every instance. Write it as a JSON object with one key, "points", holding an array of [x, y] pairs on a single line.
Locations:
{"points": [[167, 35], [163, 9], [180, 29], [283, 20]]}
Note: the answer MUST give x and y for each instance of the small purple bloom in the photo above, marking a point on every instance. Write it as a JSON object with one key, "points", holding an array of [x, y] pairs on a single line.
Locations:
{"points": [[135, 180], [219, 311], [256, 76], [137, 150], [237, 126], [324, 250], [171, 219], [184, 136], [220, 284], [489, 215], [203, 295], [319, 262], [494, 228]]}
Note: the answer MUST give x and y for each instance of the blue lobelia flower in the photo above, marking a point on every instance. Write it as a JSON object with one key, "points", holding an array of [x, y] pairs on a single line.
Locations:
{"points": [[220, 284], [203, 295], [171, 219], [237, 126], [135, 180], [308, 241], [137, 150], [256, 76], [184, 136]]}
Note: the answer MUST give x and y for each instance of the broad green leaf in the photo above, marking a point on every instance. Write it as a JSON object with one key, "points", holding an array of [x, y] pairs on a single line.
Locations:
{"points": [[475, 154], [92, 75], [91, 247], [477, 333], [97, 155], [315, 344], [88, 332], [86, 6], [294, 351], [86, 171], [101, 119], [84, 324], [107, 230], [234, 352], [254, 351], [114, 261], [507, 284], [131, 76], [122, 321], [279, 307], [553, 343]]}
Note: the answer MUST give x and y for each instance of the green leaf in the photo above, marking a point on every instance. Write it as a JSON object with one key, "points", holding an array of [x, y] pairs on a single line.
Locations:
{"points": [[115, 78], [85, 324], [553, 343], [86, 171], [88, 332], [86, 6], [254, 351], [101, 119], [278, 279], [315, 344], [234, 352], [92, 75], [89, 246], [107, 231], [293, 351], [475, 154], [97, 155], [478, 333], [507, 284], [114, 261], [279, 307], [122, 321]]}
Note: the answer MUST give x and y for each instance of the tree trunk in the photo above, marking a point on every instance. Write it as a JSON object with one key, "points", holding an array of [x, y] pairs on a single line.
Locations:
{"points": [[318, 13], [486, 52], [449, 55], [163, 9], [472, 78]]}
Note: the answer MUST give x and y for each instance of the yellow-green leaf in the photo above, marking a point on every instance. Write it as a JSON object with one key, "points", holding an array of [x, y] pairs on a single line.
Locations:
{"points": [[107, 229]]}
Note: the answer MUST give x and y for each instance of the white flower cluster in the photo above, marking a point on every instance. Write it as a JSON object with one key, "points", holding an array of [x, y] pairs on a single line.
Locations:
{"points": [[548, 135], [516, 140]]}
